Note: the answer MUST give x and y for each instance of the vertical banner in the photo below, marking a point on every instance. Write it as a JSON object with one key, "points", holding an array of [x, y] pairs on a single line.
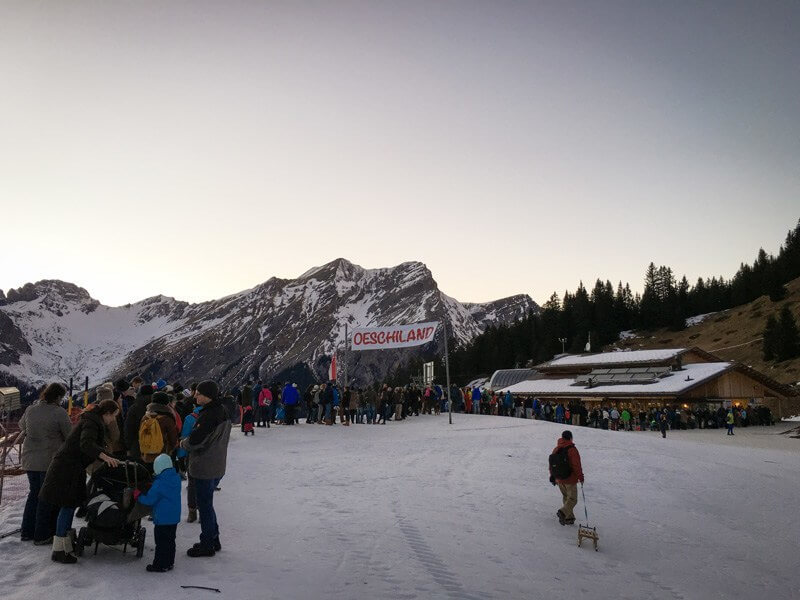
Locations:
{"points": [[332, 369], [394, 336]]}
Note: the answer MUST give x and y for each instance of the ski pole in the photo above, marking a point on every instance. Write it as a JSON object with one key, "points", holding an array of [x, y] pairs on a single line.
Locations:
{"points": [[585, 512]]}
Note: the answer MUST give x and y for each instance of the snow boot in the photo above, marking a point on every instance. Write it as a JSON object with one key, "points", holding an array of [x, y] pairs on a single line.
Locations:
{"points": [[155, 569], [192, 515], [197, 551], [562, 518], [60, 553]]}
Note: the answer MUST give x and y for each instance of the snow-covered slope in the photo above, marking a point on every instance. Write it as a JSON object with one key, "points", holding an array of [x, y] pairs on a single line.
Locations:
{"points": [[420, 509], [55, 330]]}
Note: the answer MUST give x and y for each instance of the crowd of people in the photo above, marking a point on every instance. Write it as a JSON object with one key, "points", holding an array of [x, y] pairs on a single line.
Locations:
{"points": [[181, 433], [260, 406], [175, 433]]}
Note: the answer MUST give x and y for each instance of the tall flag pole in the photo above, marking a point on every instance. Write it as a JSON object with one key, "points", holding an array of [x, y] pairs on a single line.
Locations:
{"points": [[345, 356], [447, 369]]}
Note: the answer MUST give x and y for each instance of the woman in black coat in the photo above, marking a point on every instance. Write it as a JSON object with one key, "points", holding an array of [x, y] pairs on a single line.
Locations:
{"points": [[65, 483]]}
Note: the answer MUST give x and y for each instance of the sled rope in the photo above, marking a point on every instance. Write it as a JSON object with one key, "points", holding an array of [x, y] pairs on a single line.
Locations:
{"points": [[201, 587], [585, 512]]}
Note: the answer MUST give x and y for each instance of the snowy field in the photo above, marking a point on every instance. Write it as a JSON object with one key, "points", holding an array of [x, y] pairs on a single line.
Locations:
{"points": [[420, 509]]}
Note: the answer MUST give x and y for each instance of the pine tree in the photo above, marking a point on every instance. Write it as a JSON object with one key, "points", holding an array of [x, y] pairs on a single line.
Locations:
{"points": [[788, 338], [770, 338]]}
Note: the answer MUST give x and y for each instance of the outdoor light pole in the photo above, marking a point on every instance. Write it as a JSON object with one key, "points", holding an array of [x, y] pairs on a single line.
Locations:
{"points": [[563, 341], [447, 370]]}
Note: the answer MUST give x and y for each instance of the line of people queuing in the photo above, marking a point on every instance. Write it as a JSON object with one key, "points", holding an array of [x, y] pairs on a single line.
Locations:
{"points": [[175, 432]]}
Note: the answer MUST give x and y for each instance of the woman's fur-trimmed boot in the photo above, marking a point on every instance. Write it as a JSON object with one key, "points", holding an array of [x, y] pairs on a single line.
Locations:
{"points": [[62, 551]]}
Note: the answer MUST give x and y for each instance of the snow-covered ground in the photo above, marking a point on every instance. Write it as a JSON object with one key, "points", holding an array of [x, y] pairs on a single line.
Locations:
{"points": [[697, 319], [421, 509]]}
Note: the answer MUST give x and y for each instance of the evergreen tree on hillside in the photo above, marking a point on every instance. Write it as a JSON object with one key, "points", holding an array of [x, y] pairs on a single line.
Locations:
{"points": [[770, 338], [788, 338], [650, 306]]}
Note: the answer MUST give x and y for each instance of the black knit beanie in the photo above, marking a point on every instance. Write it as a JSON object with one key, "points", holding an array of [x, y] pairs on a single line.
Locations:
{"points": [[146, 389], [121, 385], [208, 388], [161, 398]]}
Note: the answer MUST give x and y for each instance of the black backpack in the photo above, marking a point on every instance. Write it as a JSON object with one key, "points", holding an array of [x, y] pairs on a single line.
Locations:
{"points": [[559, 463]]}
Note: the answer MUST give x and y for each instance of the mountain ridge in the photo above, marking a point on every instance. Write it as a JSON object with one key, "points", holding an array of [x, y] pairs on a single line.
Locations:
{"points": [[54, 330]]}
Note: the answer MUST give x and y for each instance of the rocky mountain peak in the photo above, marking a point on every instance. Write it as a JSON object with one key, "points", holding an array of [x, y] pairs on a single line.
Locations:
{"points": [[54, 295], [279, 327]]}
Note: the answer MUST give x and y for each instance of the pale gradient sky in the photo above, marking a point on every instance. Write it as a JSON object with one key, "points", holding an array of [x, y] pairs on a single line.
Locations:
{"points": [[197, 148]]}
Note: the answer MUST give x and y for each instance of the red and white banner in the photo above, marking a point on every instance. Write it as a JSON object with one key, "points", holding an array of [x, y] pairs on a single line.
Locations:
{"points": [[394, 336], [332, 369]]}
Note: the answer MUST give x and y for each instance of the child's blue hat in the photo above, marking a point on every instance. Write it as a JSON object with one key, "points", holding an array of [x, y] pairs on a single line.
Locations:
{"points": [[161, 463]]}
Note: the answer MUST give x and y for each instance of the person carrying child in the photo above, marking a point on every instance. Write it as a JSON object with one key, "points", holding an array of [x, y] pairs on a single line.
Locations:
{"points": [[165, 498]]}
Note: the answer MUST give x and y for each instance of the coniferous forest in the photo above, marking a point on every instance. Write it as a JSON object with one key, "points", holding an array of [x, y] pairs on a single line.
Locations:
{"points": [[602, 312]]}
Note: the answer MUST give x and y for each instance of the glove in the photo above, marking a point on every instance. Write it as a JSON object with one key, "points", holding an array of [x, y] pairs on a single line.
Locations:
{"points": [[136, 494], [552, 480]]}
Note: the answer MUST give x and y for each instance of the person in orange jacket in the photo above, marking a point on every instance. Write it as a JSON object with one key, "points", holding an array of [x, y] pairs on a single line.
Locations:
{"points": [[566, 472]]}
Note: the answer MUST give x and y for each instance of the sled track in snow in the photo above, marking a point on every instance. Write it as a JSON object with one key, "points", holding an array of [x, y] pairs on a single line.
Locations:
{"points": [[431, 562]]}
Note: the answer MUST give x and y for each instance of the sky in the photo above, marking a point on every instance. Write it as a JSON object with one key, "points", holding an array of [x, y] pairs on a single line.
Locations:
{"points": [[196, 149]]}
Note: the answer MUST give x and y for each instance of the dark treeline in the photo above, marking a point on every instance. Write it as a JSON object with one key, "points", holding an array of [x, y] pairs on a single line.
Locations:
{"points": [[605, 310]]}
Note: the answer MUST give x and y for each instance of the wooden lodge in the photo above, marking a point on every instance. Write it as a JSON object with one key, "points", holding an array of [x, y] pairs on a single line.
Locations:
{"points": [[646, 378]]}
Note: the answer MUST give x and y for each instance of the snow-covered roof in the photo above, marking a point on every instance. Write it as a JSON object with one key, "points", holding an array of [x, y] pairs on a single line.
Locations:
{"points": [[613, 358], [675, 384], [505, 377]]}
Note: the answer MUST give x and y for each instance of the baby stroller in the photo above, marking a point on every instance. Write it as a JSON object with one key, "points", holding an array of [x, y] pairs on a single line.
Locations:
{"points": [[112, 515]]}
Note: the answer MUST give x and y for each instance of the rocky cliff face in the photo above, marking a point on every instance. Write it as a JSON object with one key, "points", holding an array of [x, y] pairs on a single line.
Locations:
{"points": [[53, 330]]}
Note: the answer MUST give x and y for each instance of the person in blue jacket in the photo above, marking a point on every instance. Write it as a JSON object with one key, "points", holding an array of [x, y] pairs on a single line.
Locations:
{"points": [[183, 466], [291, 398], [476, 400], [165, 498]]}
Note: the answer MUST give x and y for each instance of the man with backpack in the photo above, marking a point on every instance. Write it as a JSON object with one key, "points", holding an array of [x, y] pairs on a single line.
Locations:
{"points": [[566, 472]]}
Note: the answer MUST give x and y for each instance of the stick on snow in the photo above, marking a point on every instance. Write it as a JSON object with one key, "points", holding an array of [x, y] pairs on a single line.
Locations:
{"points": [[201, 587]]}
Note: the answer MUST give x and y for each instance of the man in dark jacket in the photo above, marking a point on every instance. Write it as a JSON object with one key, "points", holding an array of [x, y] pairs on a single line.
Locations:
{"points": [[207, 445], [567, 482], [134, 419]]}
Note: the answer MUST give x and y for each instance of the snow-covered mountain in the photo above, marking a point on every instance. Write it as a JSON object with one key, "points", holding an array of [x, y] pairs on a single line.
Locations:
{"points": [[52, 330]]}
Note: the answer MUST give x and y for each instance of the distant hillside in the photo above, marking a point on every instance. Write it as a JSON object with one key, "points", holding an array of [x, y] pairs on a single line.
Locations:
{"points": [[733, 334]]}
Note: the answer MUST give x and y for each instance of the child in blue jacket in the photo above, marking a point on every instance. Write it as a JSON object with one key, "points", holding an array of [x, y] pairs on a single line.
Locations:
{"points": [[165, 498]]}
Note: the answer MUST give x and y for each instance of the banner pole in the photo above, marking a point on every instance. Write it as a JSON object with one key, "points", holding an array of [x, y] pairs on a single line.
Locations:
{"points": [[447, 370], [345, 356]]}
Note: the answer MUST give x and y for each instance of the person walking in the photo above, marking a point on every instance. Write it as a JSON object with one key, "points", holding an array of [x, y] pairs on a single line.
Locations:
{"points": [[44, 427], [730, 420], [65, 482], [207, 445], [663, 424], [566, 472]]}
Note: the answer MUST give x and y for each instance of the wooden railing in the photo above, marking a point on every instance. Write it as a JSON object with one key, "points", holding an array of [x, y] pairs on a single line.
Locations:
{"points": [[10, 452]]}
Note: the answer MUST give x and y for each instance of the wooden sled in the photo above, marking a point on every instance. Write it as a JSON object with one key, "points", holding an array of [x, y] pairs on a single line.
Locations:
{"points": [[590, 533]]}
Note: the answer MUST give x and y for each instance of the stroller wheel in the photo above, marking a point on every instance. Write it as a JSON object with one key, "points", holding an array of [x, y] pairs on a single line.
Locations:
{"points": [[140, 542], [83, 540]]}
